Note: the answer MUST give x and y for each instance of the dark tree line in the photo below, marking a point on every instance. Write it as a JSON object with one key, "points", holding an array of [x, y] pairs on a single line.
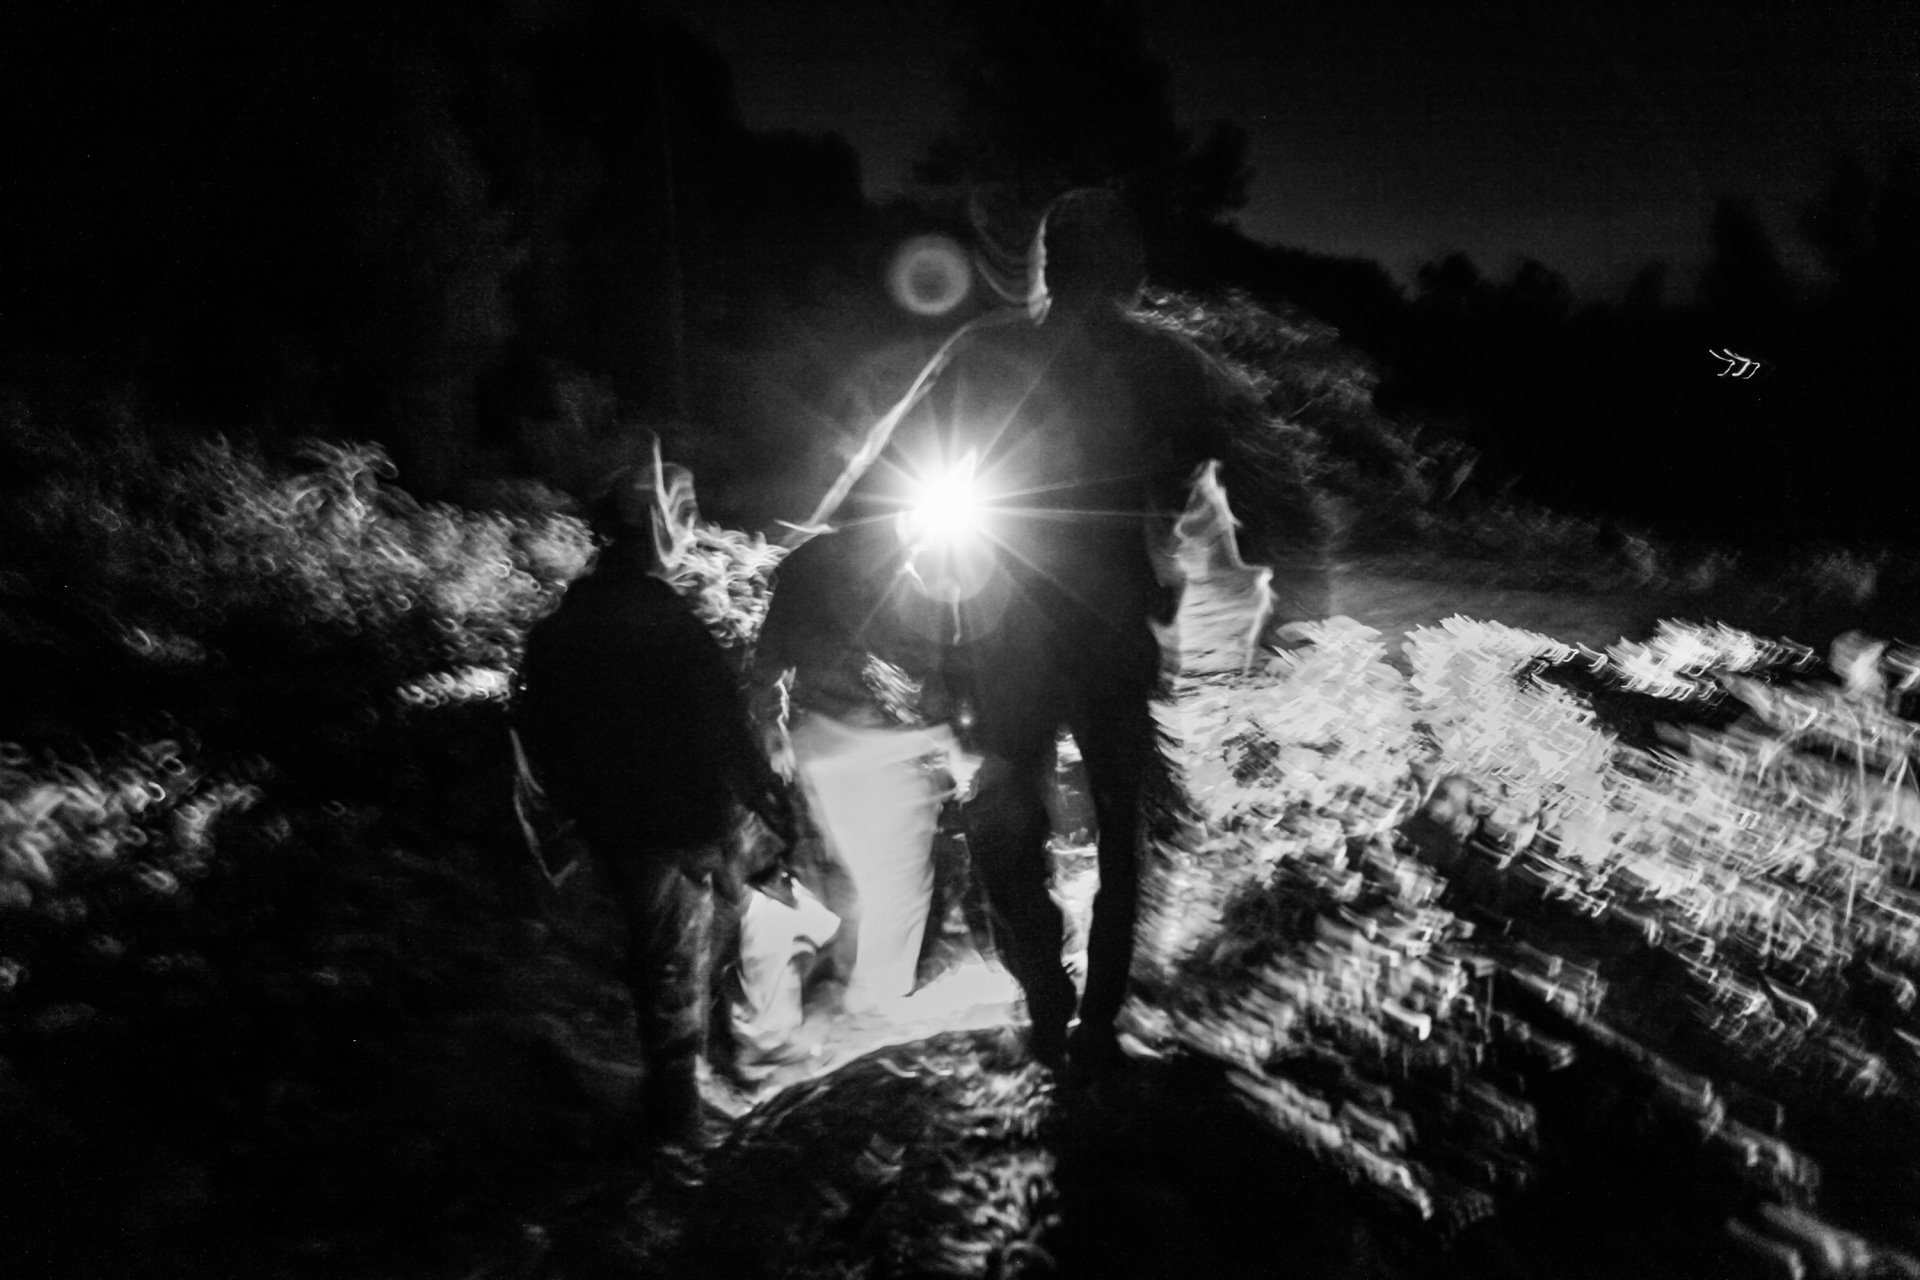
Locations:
{"points": [[501, 236], [1623, 408], [1619, 408], [425, 223], [1048, 97]]}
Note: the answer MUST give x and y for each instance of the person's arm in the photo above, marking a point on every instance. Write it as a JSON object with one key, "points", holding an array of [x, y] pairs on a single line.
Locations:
{"points": [[770, 674], [1223, 422], [735, 748]]}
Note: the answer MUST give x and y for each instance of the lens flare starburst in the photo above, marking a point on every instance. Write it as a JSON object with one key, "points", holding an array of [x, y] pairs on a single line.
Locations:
{"points": [[948, 506]]}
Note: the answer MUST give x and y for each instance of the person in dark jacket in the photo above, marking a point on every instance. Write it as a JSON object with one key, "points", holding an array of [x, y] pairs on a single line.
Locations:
{"points": [[857, 646], [635, 722], [1083, 432]]}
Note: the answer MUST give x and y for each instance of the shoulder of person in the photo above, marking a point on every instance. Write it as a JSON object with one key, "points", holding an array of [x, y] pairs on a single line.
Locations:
{"points": [[864, 550]]}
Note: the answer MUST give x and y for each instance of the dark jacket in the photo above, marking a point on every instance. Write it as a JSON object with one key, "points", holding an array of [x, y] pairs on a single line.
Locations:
{"points": [[1089, 430], [633, 716], [861, 639]]}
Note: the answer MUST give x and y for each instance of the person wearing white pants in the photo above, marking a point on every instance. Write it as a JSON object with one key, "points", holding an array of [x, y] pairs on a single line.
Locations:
{"points": [[847, 672], [783, 926], [876, 794]]}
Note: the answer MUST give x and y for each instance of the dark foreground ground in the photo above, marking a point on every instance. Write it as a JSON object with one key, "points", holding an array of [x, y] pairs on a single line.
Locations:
{"points": [[482, 1139]]}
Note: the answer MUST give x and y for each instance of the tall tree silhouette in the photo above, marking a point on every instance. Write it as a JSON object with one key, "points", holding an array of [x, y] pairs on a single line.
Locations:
{"points": [[1065, 93], [1645, 296], [349, 267], [1838, 223], [1451, 289], [1744, 287], [1866, 228], [352, 217], [1866, 322]]}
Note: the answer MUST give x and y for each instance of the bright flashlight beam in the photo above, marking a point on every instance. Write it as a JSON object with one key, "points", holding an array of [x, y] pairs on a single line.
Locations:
{"points": [[882, 431], [948, 508]]}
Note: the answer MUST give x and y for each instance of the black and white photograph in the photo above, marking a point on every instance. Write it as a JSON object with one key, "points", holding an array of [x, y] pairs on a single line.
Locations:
{"points": [[970, 639]]}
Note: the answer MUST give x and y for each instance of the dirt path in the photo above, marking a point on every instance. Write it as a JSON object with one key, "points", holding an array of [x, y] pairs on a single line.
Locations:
{"points": [[926, 1142], [1398, 605]]}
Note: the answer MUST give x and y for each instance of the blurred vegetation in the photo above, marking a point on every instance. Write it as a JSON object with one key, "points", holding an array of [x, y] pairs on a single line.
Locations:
{"points": [[268, 950], [147, 572], [257, 894], [265, 910]]}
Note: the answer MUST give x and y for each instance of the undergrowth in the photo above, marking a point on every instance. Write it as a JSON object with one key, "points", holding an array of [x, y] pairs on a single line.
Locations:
{"points": [[1689, 864], [258, 888], [149, 580], [253, 797]]}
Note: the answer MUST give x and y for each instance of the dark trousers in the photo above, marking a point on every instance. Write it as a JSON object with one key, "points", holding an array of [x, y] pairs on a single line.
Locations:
{"points": [[1105, 700], [669, 916]]}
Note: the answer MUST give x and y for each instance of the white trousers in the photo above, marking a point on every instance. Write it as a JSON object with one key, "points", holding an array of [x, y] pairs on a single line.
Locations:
{"points": [[773, 936], [878, 804]]}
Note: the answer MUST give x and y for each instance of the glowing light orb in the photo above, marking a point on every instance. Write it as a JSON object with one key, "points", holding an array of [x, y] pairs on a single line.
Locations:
{"points": [[930, 275], [946, 525], [947, 507]]}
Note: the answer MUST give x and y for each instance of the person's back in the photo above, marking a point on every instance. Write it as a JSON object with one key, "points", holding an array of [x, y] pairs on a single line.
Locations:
{"points": [[1086, 430], [625, 704], [862, 648], [1090, 429], [840, 601], [635, 723]]}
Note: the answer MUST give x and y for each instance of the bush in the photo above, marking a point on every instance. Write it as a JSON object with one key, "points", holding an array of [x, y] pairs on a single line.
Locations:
{"points": [[149, 577], [229, 880]]}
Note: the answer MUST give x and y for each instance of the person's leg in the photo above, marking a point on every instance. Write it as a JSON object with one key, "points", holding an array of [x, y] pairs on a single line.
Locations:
{"points": [[950, 917], [879, 809], [1127, 774], [725, 943], [668, 916], [767, 1012], [894, 877], [1019, 702], [819, 868], [1007, 829], [779, 942]]}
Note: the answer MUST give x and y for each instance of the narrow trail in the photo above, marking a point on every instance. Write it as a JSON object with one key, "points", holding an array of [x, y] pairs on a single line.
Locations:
{"points": [[927, 1142], [1395, 605], [1395, 601]]}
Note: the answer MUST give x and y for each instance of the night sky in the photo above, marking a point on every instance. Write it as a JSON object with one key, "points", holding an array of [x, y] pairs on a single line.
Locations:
{"points": [[438, 212], [1593, 137]]}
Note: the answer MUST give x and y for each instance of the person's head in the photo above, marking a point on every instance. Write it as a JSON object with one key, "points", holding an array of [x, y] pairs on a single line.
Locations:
{"points": [[642, 510], [1088, 249], [622, 514]]}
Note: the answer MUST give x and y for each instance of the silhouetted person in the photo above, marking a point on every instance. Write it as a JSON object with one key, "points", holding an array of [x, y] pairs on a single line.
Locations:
{"points": [[636, 724], [1085, 429], [861, 645]]}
